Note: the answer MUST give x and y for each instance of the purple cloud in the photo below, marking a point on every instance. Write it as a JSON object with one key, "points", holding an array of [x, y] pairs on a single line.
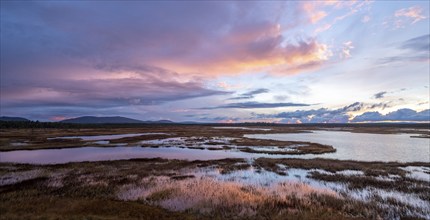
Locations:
{"points": [[250, 94], [404, 114], [244, 105], [379, 95], [342, 115]]}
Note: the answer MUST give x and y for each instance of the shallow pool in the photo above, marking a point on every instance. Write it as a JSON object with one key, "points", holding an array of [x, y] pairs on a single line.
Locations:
{"points": [[349, 146], [362, 146]]}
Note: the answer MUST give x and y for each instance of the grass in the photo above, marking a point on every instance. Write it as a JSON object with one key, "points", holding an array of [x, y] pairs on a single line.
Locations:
{"points": [[309, 148], [331, 165], [52, 207], [37, 138], [90, 190], [402, 184]]}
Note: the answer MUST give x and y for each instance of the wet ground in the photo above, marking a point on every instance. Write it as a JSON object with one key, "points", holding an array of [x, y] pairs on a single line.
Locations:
{"points": [[186, 174]]}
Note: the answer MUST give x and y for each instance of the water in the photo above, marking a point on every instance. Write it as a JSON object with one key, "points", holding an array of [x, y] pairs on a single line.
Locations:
{"points": [[103, 137], [350, 146], [362, 146], [80, 154], [244, 128]]}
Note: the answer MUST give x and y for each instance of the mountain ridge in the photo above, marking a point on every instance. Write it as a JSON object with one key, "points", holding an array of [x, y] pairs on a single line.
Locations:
{"points": [[110, 120], [6, 118]]}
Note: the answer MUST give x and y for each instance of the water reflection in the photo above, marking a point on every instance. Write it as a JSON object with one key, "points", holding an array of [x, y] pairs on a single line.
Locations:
{"points": [[56, 156], [362, 146], [103, 137], [350, 146]]}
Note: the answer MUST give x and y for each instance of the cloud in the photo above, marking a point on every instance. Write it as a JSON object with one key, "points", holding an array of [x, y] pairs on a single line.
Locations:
{"points": [[416, 49], [251, 94], [365, 19], [404, 114], [304, 56], [379, 95], [316, 11], [250, 105], [404, 17], [227, 86], [379, 105], [418, 44], [404, 58], [314, 14], [281, 97], [346, 49], [323, 115], [413, 13], [263, 53], [90, 56], [101, 93], [219, 38], [322, 28]]}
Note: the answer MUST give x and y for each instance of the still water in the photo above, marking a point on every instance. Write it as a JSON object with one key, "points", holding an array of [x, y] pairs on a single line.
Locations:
{"points": [[103, 137], [350, 146], [363, 146], [57, 156]]}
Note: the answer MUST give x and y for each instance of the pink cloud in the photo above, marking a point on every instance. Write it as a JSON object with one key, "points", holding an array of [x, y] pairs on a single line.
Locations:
{"points": [[228, 86], [346, 50], [58, 118], [249, 48], [414, 13], [313, 12]]}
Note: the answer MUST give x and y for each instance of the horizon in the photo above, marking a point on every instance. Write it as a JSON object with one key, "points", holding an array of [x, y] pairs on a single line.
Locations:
{"points": [[217, 62], [222, 123]]}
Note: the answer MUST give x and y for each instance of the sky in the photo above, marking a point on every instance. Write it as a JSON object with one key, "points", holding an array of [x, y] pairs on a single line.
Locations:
{"points": [[217, 61]]}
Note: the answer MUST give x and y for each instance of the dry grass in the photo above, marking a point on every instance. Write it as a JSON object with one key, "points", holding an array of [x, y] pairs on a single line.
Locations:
{"points": [[209, 197], [159, 188], [157, 185], [37, 138], [331, 165]]}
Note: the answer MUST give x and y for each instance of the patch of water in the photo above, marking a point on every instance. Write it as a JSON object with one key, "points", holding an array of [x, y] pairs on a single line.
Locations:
{"points": [[245, 128], [361, 146], [368, 194], [16, 177], [100, 142], [272, 149], [19, 144], [419, 173], [104, 137], [80, 154]]}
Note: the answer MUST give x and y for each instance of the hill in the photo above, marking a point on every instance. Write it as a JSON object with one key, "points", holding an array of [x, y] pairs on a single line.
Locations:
{"points": [[5, 118], [111, 120], [101, 120]]}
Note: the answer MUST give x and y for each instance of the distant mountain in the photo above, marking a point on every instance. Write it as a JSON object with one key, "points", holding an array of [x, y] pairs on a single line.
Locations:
{"points": [[101, 120], [160, 122], [5, 118], [190, 122], [111, 120]]}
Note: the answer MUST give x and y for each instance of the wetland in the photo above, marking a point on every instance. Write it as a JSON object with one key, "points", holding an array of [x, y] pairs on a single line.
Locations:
{"points": [[215, 172]]}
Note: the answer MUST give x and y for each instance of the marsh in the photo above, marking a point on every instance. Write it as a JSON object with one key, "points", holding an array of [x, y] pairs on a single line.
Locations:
{"points": [[199, 172]]}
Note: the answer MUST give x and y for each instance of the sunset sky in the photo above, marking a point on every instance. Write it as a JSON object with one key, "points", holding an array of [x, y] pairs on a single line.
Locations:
{"points": [[287, 62]]}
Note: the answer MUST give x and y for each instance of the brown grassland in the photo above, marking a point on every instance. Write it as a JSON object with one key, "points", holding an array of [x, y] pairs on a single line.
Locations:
{"points": [[153, 188]]}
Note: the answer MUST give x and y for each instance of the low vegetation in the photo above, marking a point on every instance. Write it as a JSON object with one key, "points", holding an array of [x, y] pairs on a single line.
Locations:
{"points": [[34, 135], [175, 189], [264, 188]]}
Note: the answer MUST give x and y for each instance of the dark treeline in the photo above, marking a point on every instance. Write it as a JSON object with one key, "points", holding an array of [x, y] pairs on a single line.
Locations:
{"points": [[37, 124]]}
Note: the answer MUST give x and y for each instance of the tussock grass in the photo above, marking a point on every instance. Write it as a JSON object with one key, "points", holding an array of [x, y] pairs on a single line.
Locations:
{"points": [[161, 188]]}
